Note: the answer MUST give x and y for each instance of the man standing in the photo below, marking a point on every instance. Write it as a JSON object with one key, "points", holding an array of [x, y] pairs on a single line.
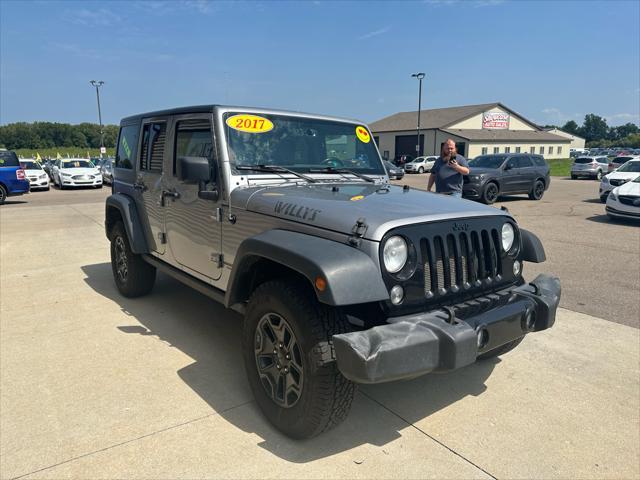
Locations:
{"points": [[448, 170]]}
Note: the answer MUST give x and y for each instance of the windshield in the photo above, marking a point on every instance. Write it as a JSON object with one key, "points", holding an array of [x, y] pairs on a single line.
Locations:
{"points": [[300, 144], [487, 161], [622, 159], [630, 167], [78, 164], [30, 166]]}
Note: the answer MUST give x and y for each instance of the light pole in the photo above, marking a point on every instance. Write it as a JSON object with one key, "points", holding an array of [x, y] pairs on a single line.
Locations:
{"points": [[98, 84], [419, 76]]}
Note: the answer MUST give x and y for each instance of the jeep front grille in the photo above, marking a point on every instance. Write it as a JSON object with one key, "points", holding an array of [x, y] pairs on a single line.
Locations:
{"points": [[460, 261]]}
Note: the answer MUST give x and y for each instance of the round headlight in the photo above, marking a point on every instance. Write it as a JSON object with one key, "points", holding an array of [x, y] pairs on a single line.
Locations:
{"points": [[395, 254], [508, 236]]}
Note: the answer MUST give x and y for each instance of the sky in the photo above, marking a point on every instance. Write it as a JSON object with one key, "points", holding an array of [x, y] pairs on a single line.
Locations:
{"points": [[550, 61]]}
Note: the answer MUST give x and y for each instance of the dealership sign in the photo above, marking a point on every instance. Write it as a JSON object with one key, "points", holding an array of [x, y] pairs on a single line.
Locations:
{"points": [[495, 120]]}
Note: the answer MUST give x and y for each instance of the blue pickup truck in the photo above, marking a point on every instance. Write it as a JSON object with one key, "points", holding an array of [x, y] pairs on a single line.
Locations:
{"points": [[13, 181]]}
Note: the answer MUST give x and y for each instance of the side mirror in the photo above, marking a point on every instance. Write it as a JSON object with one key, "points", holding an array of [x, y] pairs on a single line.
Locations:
{"points": [[194, 169]]}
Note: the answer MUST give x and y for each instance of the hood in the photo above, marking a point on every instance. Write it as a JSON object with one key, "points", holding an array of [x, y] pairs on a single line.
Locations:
{"points": [[382, 207], [629, 188], [622, 175], [81, 171]]}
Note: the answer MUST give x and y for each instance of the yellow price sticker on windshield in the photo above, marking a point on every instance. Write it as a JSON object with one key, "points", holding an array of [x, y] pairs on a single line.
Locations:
{"points": [[250, 123], [356, 198], [363, 134]]}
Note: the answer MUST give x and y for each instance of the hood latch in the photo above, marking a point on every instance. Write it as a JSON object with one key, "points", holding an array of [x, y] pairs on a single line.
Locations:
{"points": [[358, 231]]}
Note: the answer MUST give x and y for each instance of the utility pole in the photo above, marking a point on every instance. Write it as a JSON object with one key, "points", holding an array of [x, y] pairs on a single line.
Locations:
{"points": [[419, 76], [98, 84]]}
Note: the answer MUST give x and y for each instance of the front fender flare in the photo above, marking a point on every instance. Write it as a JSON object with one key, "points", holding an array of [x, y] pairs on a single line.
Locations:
{"points": [[132, 224], [532, 248], [351, 276]]}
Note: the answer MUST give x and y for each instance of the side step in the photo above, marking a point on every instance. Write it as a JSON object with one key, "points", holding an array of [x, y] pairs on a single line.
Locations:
{"points": [[202, 287]]}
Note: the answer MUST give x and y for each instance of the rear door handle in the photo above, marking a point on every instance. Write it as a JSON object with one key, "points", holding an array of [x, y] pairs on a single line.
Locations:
{"points": [[168, 193], [139, 186]]}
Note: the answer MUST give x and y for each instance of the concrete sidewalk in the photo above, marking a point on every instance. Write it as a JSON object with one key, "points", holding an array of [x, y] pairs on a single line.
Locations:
{"points": [[94, 385]]}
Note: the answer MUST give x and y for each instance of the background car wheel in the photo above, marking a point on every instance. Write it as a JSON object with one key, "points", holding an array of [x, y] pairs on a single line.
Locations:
{"points": [[507, 347], [603, 198], [573, 177], [490, 193], [599, 175], [133, 276], [537, 191], [289, 359], [3, 194], [421, 170]]}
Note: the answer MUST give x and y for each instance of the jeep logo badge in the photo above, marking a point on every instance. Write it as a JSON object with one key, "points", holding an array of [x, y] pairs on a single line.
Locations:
{"points": [[460, 227]]}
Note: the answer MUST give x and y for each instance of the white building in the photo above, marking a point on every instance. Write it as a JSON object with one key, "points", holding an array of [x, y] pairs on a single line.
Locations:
{"points": [[476, 129], [576, 141]]}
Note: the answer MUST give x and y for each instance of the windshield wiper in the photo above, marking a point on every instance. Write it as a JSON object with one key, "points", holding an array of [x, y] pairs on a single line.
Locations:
{"points": [[275, 169], [341, 170]]}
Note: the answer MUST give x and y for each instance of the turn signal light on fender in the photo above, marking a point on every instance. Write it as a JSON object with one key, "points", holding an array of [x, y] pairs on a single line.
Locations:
{"points": [[321, 284]]}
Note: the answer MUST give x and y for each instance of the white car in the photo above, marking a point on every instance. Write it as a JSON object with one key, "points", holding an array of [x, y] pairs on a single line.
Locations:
{"points": [[624, 201], [622, 175], [76, 172], [38, 178], [420, 165]]}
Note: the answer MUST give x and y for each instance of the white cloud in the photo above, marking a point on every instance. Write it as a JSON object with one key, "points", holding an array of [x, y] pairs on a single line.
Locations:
{"points": [[102, 17], [622, 118], [375, 33]]}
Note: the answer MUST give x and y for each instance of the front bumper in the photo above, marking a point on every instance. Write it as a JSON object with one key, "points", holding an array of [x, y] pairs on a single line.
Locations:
{"points": [[471, 190], [626, 213], [440, 341], [68, 182]]}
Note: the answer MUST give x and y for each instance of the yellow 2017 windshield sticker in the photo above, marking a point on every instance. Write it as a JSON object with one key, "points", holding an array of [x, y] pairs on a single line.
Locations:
{"points": [[250, 123], [363, 134]]}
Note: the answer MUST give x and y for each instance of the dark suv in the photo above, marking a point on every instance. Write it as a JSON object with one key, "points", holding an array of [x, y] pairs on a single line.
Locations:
{"points": [[493, 175], [13, 180]]}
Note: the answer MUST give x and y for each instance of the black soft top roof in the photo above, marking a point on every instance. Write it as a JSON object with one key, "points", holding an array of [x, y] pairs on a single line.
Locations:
{"points": [[170, 111]]}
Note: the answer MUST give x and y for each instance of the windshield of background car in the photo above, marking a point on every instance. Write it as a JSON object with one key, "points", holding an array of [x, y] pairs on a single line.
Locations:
{"points": [[622, 159], [484, 161], [630, 167], [300, 143], [77, 164], [30, 166]]}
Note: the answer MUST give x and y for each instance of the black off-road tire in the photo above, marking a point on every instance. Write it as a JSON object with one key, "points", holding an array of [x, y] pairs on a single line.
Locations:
{"points": [[490, 193], [496, 352], [537, 191], [133, 276], [3, 194], [326, 396]]}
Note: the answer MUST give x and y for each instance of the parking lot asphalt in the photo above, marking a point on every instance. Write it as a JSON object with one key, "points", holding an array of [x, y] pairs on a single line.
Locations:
{"points": [[94, 385]]}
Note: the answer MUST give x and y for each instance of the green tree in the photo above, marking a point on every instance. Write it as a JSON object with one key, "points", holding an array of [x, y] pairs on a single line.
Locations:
{"points": [[594, 128], [570, 127]]}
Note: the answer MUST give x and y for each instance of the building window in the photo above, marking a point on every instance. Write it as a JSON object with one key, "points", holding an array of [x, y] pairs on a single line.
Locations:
{"points": [[496, 149], [507, 149], [385, 154], [485, 150], [532, 149], [517, 149], [541, 150], [559, 150]]}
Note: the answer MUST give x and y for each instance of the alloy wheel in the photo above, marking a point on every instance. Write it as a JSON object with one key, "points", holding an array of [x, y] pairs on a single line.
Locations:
{"points": [[278, 360], [121, 259]]}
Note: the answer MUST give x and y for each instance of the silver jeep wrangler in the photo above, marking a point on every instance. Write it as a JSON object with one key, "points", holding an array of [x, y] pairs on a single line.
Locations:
{"points": [[342, 278]]}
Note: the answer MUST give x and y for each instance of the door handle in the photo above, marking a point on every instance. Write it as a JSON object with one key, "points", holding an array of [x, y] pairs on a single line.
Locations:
{"points": [[139, 186], [168, 193]]}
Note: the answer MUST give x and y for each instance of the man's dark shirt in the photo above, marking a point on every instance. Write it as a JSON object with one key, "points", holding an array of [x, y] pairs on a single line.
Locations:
{"points": [[447, 179]]}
